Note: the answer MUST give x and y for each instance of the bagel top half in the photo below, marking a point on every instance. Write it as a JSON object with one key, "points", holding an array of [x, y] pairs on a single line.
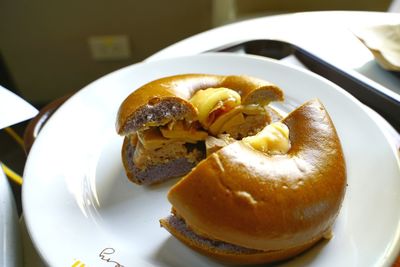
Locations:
{"points": [[256, 200], [167, 98]]}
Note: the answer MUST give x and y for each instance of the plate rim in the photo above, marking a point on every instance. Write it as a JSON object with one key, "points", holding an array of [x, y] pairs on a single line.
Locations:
{"points": [[389, 252]]}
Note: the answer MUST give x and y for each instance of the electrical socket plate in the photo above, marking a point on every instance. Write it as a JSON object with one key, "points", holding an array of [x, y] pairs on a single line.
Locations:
{"points": [[109, 47]]}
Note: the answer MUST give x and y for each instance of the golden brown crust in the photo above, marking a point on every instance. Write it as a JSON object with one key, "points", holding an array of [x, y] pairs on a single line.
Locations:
{"points": [[244, 197], [256, 257], [252, 90], [180, 88]]}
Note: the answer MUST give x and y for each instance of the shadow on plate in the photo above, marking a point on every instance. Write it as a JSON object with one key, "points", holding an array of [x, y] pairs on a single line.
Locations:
{"points": [[173, 253], [118, 190]]}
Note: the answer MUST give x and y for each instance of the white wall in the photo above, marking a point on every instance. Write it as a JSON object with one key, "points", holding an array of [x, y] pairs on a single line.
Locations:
{"points": [[44, 42]]}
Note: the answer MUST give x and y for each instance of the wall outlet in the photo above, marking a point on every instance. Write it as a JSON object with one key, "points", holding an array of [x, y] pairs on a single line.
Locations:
{"points": [[109, 47]]}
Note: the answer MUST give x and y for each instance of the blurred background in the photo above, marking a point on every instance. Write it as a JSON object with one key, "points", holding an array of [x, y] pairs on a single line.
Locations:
{"points": [[52, 48], [49, 49]]}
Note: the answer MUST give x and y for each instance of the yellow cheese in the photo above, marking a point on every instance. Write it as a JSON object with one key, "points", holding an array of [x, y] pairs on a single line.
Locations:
{"points": [[178, 131], [234, 122], [273, 139], [215, 128], [181, 131], [209, 100], [152, 138], [253, 109], [232, 117]]}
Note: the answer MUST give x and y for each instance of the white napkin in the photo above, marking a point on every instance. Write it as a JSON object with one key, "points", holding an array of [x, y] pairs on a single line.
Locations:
{"points": [[14, 109], [384, 43]]}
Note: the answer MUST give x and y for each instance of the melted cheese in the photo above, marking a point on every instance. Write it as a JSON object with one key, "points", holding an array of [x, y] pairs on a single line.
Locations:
{"points": [[181, 131], [234, 117], [273, 139], [210, 100]]}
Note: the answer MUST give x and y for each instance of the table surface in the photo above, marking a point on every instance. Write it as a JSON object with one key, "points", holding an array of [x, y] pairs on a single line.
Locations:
{"points": [[327, 34]]}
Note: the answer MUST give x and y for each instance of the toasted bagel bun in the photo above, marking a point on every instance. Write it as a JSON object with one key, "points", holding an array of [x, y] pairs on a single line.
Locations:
{"points": [[277, 204], [168, 98]]}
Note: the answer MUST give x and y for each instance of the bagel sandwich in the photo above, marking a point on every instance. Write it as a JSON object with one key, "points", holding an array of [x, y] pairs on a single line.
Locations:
{"points": [[171, 124], [264, 198]]}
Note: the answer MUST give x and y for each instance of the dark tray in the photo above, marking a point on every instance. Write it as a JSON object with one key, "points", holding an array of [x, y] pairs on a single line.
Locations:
{"points": [[380, 99]]}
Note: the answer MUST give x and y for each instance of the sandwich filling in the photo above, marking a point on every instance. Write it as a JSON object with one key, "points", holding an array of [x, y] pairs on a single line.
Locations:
{"points": [[220, 111], [176, 145], [155, 173], [165, 141]]}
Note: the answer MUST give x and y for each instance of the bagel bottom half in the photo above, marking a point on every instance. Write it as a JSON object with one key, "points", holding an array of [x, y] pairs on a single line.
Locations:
{"points": [[226, 252], [272, 207]]}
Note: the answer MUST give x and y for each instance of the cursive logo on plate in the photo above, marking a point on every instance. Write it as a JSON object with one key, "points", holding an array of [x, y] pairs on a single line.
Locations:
{"points": [[105, 256]]}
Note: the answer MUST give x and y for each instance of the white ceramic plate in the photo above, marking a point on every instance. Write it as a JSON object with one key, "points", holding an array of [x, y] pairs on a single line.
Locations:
{"points": [[81, 209]]}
